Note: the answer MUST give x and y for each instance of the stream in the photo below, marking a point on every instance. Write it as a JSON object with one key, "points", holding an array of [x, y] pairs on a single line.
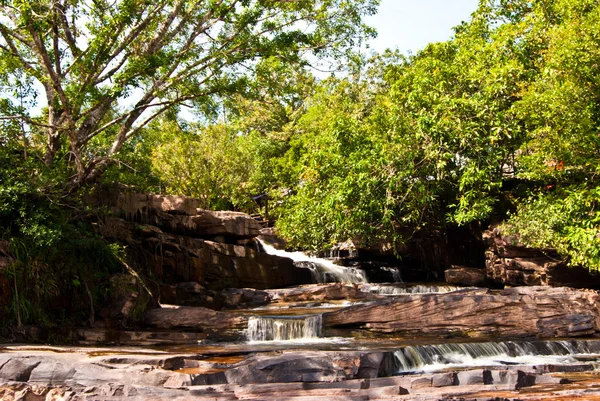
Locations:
{"points": [[298, 326]]}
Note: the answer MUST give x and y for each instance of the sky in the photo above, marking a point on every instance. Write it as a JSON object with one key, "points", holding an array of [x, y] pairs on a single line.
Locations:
{"points": [[410, 25]]}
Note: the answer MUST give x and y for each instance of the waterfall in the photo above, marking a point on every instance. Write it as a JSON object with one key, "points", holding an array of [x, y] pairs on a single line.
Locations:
{"points": [[395, 272], [322, 270], [427, 358], [414, 289], [284, 328]]}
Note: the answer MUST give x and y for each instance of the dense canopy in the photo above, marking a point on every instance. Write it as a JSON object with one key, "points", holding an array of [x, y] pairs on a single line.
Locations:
{"points": [[498, 126]]}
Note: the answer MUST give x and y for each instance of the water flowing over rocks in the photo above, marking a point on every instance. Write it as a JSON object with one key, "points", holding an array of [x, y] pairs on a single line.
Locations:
{"points": [[175, 259], [516, 312], [239, 319], [284, 328], [36, 373]]}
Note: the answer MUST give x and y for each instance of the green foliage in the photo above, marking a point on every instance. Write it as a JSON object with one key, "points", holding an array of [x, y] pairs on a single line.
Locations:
{"points": [[438, 138], [209, 164], [566, 220], [107, 68], [54, 248]]}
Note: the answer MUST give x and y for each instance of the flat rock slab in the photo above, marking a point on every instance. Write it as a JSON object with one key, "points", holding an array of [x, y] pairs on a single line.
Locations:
{"points": [[322, 292], [514, 312], [58, 373], [197, 318], [182, 215]]}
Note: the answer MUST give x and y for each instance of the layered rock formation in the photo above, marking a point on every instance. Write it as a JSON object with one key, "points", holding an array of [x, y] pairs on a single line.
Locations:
{"points": [[58, 374], [508, 262], [514, 312], [170, 239]]}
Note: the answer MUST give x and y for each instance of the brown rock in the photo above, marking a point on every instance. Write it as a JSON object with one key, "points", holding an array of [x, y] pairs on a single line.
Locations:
{"points": [[460, 275], [136, 338], [196, 318], [181, 215], [526, 311], [509, 262], [215, 266], [322, 292], [124, 293]]}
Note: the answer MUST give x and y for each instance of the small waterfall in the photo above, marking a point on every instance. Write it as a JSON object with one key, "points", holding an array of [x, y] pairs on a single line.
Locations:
{"points": [[427, 358], [284, 328], [395, 272], [322, 270], [415, 289]]}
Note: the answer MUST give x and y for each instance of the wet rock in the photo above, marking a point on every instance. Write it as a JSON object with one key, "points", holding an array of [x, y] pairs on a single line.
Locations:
{"points": [[297, 375], [420, 383], [524, 311], [444, 379], [460, 275], [478, 376]]}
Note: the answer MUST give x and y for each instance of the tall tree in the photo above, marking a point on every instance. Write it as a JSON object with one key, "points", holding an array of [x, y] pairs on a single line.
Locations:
{"points": [[107, 68]]}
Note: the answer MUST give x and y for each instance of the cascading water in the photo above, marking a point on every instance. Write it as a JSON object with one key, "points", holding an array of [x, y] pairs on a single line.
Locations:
{"points": [[428, 358], [284, 328], [395, 272], [405, 290], [322, 270]]}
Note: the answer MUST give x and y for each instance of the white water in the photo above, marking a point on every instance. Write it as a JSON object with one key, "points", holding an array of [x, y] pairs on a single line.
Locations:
{"points": [[414, 289], [395, 272], [284, 328], [430, 358], [322, 270]]}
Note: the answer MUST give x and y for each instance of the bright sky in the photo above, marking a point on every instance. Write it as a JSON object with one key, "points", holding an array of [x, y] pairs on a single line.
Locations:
{"points": [[412, 24]]}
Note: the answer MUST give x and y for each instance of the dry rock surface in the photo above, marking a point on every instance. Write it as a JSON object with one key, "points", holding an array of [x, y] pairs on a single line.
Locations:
{"points": [[60, 374], [508, 262], [468, 276], [513, 312]]}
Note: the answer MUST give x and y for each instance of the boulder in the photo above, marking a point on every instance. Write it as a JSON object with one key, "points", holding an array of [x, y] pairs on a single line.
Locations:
{"points": [[515, 312], [304, 366], [460, 275], [124, 291]]}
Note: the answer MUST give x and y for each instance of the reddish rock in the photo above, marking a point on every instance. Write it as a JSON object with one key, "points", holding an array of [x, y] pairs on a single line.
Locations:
{"points": [[322, 292], [180, 215], [508, 262], [197, 318], [516, 312], [174, 259], [460, 275]]}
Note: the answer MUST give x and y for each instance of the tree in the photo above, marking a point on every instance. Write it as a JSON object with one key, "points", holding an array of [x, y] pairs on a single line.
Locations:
{"points": [[108, 68], [209, 163]]}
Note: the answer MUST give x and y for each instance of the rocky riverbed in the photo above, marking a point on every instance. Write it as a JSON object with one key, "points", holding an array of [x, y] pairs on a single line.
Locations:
{"points": [[57, 373], [231, 317]]}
